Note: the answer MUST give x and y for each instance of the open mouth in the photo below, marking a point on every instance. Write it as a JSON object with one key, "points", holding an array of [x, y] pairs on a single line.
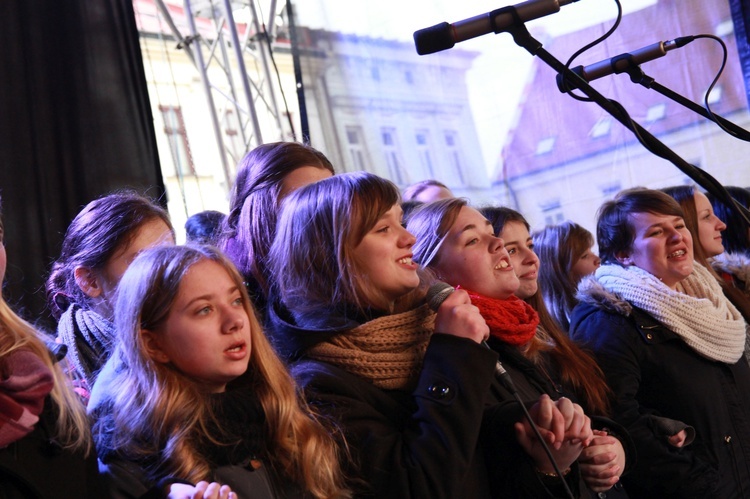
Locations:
{"points": [[502, 265], [677, 253], [236, 348], [405, 260]]}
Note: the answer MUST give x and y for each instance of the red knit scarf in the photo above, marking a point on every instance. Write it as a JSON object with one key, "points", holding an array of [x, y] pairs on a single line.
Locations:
{"points": [[512, 320]]}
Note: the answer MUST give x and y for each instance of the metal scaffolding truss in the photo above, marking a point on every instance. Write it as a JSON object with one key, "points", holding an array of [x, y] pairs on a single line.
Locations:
{"points": [[251, 94]]}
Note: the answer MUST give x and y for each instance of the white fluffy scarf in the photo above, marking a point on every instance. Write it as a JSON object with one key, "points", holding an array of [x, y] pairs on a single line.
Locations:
{"points": [[697, 310]]}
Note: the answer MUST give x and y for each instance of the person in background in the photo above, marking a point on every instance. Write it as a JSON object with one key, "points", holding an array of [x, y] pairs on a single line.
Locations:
{"points": [[459, 245], [204, 227], [202, 397], [408, 206], [513, 229], [426, 191], [408, 386], [99, 244], [734, 264], [671, 346], [265, 176], [45, 442], [706, 230], [566, 255]]}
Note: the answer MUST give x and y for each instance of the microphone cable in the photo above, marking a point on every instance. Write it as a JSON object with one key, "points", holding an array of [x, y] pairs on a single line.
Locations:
{"points": [[505, 379], [437, 293]]}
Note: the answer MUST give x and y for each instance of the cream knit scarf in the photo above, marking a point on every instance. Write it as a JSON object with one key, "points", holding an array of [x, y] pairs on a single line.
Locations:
{"points": [[697, 310], [387, 351]]}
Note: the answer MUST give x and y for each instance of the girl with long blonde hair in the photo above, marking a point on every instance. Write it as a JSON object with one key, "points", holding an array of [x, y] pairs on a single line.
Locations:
{"points": [[200, 394]]}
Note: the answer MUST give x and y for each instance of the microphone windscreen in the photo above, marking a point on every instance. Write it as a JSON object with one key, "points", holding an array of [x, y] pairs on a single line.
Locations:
{"points": [[437, 293], [433, 39]]}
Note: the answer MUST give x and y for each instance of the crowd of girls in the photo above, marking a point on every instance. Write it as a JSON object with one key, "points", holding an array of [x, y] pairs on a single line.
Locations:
{"points": [[304, 356], [459, 245], [413, 390]]}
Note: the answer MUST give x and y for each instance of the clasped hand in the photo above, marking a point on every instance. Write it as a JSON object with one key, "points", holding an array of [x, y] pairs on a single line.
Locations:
{"points": [[564, 428], [567, 432]]}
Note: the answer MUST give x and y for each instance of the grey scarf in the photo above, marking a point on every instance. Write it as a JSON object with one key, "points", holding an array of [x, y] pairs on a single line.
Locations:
{"points": [[89, 338]]}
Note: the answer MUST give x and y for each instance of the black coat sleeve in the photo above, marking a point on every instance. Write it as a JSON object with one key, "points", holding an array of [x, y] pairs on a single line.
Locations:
{"points": [[619, 350], [419, 444]]}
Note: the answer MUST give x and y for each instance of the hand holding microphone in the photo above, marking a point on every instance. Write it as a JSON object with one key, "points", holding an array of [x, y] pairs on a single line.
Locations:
{"points": [[455, 313], [439, 293]]}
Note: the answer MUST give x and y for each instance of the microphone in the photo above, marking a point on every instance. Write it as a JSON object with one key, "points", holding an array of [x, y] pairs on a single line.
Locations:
{"points": [[621, 63], [436, 295], [444, 36]]}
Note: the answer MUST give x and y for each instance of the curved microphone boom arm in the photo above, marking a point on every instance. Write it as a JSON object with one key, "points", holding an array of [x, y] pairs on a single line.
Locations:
{"points": [[630, 63], [513, 23]]}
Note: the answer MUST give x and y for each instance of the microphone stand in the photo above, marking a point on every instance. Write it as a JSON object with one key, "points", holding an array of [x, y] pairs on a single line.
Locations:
{"points": [[638, 76], [523, 39]]}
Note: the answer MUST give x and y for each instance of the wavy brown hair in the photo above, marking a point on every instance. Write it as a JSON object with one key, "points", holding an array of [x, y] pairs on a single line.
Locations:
{"points": [[250, 226], [157, 410], [312, 257], [559, 247]]}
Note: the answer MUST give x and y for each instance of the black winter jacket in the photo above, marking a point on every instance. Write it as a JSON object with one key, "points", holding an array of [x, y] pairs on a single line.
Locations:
{"points": [[654, 375], [36, 467], [424, 443], [531, 381]]}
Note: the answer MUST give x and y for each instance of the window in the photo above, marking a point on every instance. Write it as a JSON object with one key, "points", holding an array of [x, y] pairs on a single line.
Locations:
{"points": [[422, 139], [174, 128], [656, 112], [357, 149], [724, 29], [545, 146], [601, 128], [552, 210], [388, 136], [714, 96], [455, 158], [234, 140], [554, 218], [610, 189]]}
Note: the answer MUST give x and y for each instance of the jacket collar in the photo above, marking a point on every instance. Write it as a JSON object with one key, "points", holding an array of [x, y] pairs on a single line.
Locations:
{"points": [[593, 293], [293, 336], [590, 292]]}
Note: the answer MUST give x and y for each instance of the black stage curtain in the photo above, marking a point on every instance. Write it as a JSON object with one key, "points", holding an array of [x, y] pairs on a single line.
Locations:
{"points": [[75, 123]]}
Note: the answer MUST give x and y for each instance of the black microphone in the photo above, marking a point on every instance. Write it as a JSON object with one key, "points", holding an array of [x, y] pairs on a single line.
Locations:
{"points": [[436, 295], [444, 36], [621, 63]]}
